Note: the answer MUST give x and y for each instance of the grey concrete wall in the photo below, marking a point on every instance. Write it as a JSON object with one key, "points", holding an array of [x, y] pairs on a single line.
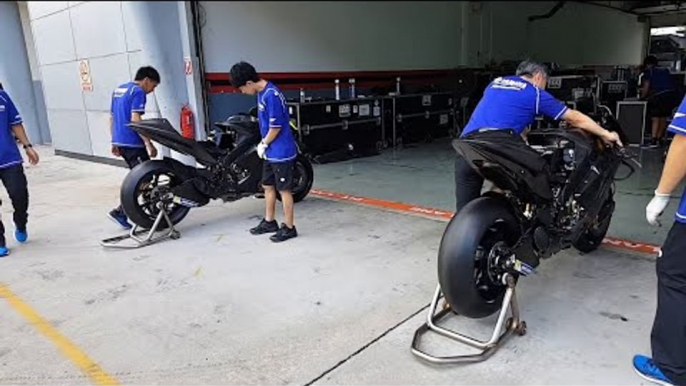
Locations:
{"points": [[330, 36], [15, 71], [41, 111], [387, 35], [590, 35], [578, 34]]}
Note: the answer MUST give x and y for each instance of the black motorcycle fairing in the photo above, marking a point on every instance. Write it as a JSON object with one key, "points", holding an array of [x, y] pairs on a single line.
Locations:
{"points": [[245, 131], [180, 169], [161, 131], [510, 166], [248, 170], [191, 188], [594, 164]]}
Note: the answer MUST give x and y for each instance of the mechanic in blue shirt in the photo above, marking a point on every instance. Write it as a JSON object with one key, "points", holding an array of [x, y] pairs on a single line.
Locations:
{"points": [[509, 105], [11, 169], [128, 105], [659, 89], [668, 337], [278, 149]]}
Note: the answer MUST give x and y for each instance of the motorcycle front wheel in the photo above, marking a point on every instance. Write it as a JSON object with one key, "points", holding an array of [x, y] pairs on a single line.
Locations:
{"points": [[593, 237], [142, 190], [468, 256]]}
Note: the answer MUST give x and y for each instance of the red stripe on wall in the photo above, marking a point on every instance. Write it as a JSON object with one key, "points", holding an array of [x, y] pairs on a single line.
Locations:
{"points": [[219, 82], [342, 75]]}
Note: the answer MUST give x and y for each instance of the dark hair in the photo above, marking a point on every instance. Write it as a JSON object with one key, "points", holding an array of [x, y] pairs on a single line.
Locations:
{"points": [[650, 60], [531, 68], [242, 73], [148, 72]]}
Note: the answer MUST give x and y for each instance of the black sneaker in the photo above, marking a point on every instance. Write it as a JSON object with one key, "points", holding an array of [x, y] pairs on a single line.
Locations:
{"points": [[284, 234], [265, 227]]}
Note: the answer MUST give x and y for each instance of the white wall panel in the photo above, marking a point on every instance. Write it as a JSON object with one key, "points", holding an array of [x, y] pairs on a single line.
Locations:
{"points": [[70, 131], [98, 127], [98, 29], [54, 41], [39, 9], [133, 40], [62, 86]]}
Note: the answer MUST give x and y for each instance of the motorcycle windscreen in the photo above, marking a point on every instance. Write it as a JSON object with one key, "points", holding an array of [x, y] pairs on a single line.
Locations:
{"points": [[510, 167], [162, 132]]}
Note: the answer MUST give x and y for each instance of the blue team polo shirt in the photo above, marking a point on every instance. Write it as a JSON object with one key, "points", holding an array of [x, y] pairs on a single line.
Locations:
{"points": [[126, 99], [273, 113], [9, 116], [660, 79], [513, 103], [678, 127]]}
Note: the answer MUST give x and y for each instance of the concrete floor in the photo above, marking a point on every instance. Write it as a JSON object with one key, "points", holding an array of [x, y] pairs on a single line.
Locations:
{"points": [[219, 306], [423, 175]]}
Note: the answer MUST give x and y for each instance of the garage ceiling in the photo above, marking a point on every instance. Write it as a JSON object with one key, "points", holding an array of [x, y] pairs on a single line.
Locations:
{"points": [[645, 7]]}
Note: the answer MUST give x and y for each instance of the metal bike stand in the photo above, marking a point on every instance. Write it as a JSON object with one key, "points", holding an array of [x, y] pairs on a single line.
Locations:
{"points": [[151, 238], [512, 325]]}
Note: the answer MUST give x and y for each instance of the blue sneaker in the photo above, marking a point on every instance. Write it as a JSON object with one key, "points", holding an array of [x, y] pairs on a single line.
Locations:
{"points": [[120, 218], [648, 370], [21, 235], [4, 251]]}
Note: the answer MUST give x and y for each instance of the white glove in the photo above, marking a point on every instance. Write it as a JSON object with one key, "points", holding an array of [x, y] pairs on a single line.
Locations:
{"points": [[262, 150], [655, 208]]}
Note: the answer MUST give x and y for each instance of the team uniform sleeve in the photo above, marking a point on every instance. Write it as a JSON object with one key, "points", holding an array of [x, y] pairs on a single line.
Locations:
{"points": [[138, 100], [276, 109], [547, 105], [12, 112], [678, 125]]}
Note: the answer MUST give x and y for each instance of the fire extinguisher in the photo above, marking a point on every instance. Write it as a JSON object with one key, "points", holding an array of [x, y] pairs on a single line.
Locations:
{"points": [[187, 124]]}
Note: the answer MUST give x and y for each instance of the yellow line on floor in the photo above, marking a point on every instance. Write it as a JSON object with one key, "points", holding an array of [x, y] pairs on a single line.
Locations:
{"points": [[68, 349]]}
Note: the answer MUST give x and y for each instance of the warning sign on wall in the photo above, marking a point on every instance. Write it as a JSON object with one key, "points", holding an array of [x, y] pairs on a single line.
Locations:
{"points": [[187, 66], [85, 76]]}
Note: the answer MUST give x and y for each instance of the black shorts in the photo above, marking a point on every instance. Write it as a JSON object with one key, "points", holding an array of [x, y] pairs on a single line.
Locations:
{"points": [[662, 105], [134, 155], [279, 174]]}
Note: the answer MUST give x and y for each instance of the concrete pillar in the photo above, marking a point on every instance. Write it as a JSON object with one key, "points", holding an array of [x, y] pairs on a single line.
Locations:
{"points": [[15, 71], [193, 80], [158, 25]]}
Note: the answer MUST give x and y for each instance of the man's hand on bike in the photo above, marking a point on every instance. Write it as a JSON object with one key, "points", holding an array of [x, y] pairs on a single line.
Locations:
{"points": [[612, 138]]}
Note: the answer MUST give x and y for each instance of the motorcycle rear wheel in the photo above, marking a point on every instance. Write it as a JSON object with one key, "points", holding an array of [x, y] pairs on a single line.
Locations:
{"points": [[141, 191], [467, 258], [303, 178]]}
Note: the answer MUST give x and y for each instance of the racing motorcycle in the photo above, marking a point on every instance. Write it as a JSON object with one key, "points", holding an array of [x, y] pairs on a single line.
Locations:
{"points": [[559, 196], [231, 170]]}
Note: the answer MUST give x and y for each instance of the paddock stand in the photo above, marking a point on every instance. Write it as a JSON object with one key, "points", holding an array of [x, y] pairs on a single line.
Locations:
{"points": [[513, 325], [151, 236]]}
